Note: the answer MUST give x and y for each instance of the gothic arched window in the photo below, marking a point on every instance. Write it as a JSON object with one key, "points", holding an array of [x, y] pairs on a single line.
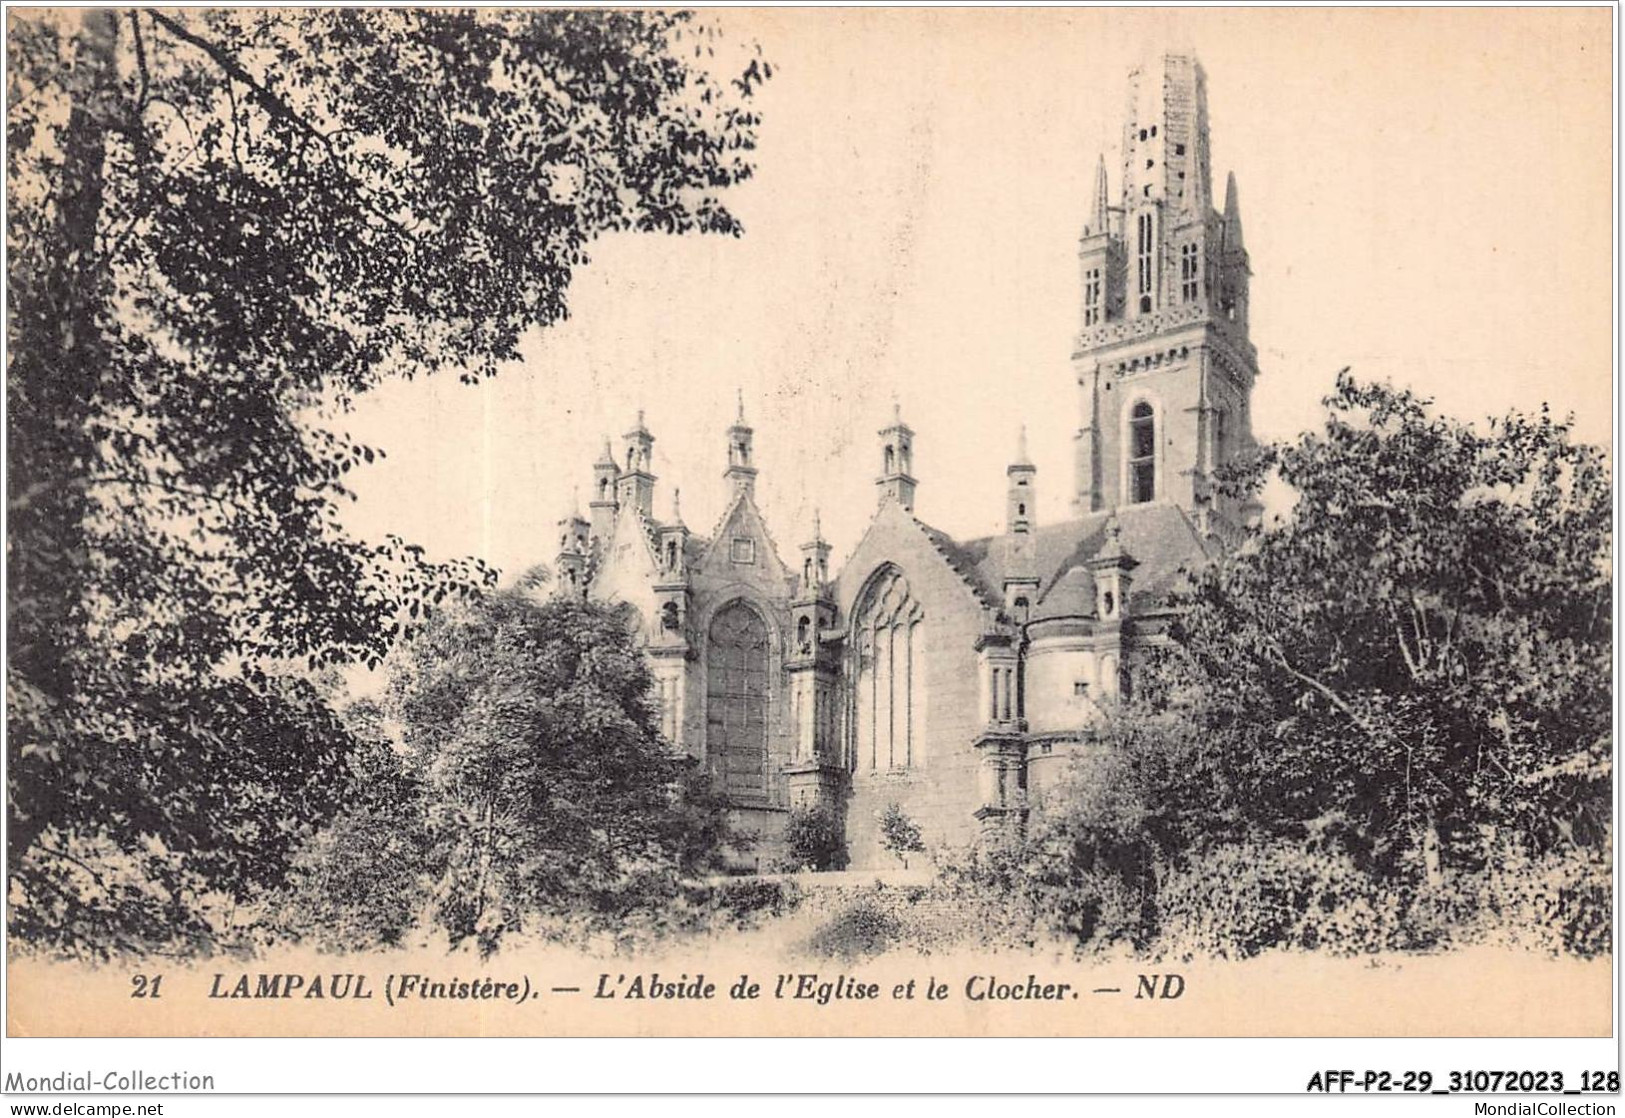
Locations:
{"points": [[736, 700], [889, 676], [1142, 454]]}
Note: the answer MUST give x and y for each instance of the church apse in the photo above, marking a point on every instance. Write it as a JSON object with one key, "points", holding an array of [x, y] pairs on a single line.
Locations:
{"points": [[956, 679]]}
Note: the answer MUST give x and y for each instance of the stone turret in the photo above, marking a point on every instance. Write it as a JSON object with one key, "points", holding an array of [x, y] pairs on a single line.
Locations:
{"points": [[741, 471], [637, 481], [896, 479]]}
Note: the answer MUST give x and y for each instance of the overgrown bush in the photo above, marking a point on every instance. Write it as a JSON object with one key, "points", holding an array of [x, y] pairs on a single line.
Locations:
{"points": [[1240, 900], [1560, 902], [814, 839]]}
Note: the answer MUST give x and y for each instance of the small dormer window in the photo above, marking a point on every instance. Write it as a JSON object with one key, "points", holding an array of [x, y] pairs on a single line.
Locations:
{"points": [[742, 550]]}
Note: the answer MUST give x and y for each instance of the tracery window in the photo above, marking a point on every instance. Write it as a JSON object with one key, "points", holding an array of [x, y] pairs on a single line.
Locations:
{"points": [[736, 699], [889, 689]]}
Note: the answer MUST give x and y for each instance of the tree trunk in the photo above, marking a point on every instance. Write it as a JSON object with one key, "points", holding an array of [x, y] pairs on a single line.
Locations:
{"points": [[1431, 865], [59, 359]]}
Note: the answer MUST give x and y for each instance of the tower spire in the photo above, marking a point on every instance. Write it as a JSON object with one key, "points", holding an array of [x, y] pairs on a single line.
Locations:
{"points": [[1097, 215], [1232, 215], [1170, 269]]}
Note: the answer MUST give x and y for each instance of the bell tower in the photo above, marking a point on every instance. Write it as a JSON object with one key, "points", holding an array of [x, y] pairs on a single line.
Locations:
{"points": [[1164, 364]]}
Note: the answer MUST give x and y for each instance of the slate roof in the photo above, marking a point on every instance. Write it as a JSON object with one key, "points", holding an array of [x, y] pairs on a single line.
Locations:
{"points": [[1158, 536]]}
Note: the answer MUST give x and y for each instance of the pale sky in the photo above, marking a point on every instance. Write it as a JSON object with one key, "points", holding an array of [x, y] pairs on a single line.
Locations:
{"points": [[1426, 196]]}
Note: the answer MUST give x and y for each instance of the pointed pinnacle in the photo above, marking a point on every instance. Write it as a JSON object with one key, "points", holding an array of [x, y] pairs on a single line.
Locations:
{"points": [[1097, 216]]}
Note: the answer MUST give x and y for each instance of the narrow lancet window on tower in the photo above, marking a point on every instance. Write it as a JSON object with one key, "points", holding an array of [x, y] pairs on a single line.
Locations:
{"points": [[1144, 261], [1142, 460]]}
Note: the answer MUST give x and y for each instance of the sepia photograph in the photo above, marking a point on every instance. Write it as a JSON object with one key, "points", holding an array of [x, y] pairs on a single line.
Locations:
{"points": [[811, 522]]}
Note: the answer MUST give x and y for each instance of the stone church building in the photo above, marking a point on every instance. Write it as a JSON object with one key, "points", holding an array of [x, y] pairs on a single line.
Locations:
{"points": [[955, 677]]}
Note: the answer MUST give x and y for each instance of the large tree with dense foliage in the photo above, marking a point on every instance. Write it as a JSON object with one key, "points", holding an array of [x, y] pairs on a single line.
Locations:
{"points": [[224, 227], [1382, 720], [1418, 656], [530, 787]]}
